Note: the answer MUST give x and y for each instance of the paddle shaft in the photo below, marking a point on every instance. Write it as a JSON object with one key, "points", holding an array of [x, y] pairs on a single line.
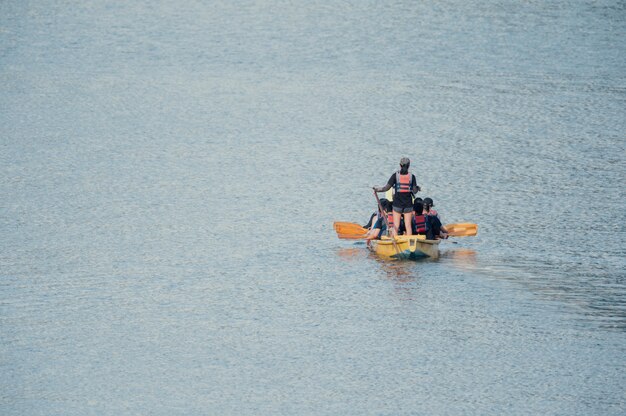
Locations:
{"points": [[384, 214]]}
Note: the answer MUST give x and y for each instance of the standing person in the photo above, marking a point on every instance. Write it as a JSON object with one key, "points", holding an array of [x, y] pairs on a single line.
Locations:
{"points": [[405, 185]]}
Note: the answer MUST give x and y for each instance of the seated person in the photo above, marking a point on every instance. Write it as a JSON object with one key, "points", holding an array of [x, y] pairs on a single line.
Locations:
{"points": [[380, 226], [377, 214], [434, 228], [419, 219]]}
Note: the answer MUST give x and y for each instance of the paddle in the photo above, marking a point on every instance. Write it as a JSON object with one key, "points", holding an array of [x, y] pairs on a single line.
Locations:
{"points": [[349, 228], [352, 236], [353, 231], [465, 229]]}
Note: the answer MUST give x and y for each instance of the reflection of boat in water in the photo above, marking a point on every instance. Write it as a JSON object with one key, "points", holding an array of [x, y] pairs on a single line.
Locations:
{"points": [[396, 271], [461, 255], [352, 253], [406, 247], [463, 258]]}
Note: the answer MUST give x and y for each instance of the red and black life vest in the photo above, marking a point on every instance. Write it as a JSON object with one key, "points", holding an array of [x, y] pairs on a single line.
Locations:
{"points": [[420, 223], [404, 183], [432, 212]]}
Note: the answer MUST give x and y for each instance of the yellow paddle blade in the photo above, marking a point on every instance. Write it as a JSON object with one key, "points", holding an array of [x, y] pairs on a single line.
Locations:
{"points": [[342, 230], [465, 229], [348, 228], [345, 224], [351, 236]]}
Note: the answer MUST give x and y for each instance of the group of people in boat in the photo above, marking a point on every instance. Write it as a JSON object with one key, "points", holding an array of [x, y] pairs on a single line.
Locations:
{"points": [[405, 214]]}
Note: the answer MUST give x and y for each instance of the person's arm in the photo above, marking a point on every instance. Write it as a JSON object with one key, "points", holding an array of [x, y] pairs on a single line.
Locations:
{"points": [[373, 234], [416, 188], [443, 233], [441, 221], [385, 188], [382, 188]]}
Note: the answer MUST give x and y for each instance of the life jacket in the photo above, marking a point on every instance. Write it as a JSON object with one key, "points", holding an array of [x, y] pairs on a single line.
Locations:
{"points": [[432, 212], [404, 183], [420, 223]]}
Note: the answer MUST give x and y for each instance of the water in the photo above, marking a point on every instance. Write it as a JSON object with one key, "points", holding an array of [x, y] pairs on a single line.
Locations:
{"points": [[170, 173]]}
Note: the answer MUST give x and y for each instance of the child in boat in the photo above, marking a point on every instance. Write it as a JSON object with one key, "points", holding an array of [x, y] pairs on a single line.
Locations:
{"points": [[392, 230], [376, 215], [380, 227], [405, 185], [434, 228], [419, 219]]}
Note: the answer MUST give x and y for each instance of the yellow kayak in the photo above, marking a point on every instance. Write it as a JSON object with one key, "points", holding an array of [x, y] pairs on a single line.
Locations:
{"points": [[406, 247]]}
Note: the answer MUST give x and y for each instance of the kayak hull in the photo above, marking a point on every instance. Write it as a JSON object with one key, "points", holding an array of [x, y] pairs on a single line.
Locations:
{"points": [[407, 247]]}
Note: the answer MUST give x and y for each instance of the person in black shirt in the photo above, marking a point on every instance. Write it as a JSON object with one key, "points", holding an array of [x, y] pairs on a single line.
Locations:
{"points": [[434, 229], [405, 186]]}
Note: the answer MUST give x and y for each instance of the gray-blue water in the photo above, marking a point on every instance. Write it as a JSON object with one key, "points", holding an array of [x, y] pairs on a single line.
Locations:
{"points": [[170, 172]]}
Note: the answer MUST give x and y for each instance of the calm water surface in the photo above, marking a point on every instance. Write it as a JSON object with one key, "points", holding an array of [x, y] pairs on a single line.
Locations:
{"points": [[169, 175]]}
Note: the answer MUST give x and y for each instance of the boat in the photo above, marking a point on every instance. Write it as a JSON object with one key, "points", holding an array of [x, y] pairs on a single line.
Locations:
{"points": [[406, 247]]}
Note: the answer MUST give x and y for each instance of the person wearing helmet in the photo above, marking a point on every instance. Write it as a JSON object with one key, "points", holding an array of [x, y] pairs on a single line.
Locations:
{"points": [[405, 186], [428, 207], [434, 228], [419, 219]]}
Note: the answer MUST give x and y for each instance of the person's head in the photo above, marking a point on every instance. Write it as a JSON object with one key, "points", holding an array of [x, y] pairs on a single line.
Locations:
{"points": [[383, 203], [428, 203], [404, 165], [388, 206], [418, 207], [418, 199]]}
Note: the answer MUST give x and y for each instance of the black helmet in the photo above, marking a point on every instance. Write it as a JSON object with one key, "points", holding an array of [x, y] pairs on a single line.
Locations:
{"points": [[418, 207], [429, 202]]}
